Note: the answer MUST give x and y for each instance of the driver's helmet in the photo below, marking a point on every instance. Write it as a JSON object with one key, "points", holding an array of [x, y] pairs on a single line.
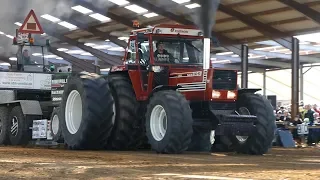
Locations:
{"points": [[158, 43]]}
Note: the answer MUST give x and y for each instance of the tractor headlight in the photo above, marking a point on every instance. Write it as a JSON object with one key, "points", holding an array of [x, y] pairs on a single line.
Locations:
{"points": [[215, 94], [231, 95]]}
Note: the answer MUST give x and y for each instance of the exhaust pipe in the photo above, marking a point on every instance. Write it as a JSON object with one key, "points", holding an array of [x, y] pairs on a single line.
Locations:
{"points": [[206, 53], [206, 21]]}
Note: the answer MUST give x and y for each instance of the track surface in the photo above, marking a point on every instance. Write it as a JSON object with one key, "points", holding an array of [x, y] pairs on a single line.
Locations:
{"points": [[38, 163]]}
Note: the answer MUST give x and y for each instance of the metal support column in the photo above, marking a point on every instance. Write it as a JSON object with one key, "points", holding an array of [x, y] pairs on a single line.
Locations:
{"points": [[264, 83], [301, 83], [244, 66], [295, 64]]}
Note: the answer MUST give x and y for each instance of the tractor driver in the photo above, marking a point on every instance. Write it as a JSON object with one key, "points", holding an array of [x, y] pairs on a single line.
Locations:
{"points": [[161, 55], [26, 57]]}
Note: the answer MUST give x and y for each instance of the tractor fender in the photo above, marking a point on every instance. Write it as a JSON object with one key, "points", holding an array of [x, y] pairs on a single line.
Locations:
{"points": [[246, 90], [28, 107], [162, 88]]}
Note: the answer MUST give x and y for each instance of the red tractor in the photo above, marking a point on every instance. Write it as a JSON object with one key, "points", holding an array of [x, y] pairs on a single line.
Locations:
{"points": [[168, 89]]}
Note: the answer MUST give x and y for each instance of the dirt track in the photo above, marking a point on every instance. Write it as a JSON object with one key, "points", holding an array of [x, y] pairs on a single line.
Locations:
{"points": [[62, 164]]}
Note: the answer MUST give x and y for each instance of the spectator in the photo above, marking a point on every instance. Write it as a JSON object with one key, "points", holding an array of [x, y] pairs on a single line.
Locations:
{"points": [[285, 116], [315, 109], [309, 114]]}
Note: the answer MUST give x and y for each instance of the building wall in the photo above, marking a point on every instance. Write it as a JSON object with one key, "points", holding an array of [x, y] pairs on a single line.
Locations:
{"points": [[279, 84]]}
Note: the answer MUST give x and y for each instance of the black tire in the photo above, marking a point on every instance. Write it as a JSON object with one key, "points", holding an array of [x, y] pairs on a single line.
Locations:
{"points": [[179, 122], [55, 121], [222, 144], [97, 112], [22, 134], [260, 142], [200, 140], [124, 130], [5, 126]]}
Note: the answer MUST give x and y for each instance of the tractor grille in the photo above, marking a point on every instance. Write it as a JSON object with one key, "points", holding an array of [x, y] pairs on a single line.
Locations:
{"points": [[222, 105], [224, 80]]}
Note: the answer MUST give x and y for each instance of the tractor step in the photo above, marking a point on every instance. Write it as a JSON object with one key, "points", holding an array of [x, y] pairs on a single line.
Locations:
{"points": [[240, 125]]}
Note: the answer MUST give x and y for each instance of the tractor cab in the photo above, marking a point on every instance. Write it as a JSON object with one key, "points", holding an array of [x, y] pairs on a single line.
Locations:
{"points": [[169, 45], [172, 56], [30, 56]]}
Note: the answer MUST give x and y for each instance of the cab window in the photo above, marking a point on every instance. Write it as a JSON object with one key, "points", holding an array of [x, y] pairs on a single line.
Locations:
{"points": [[131, 54]]}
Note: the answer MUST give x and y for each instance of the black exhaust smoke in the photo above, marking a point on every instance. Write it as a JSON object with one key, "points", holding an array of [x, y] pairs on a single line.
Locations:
{"points": [[207, 16]]}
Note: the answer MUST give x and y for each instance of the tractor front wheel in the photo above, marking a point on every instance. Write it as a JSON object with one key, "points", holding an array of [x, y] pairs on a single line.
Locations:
{"points": [[169, 122], [259, 142]]}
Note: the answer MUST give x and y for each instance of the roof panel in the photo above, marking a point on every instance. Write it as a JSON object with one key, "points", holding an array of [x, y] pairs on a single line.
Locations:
{"points": [[244, 34], [297, 25], [111, 28], [317, 7], [78, 34], [230, 2], [229, 25], [258, 7], [221, 15], [279, 16]]}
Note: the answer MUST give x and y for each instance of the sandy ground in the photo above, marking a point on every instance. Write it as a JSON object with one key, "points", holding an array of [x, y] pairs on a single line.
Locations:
{"points": [[40, 163]]}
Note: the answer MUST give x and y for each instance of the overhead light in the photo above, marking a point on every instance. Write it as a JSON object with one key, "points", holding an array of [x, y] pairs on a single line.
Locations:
{"points": [[107, 40], [82, 9], [43, 34], [194, 5], [1, 32], [254, 57], [221, 61], [123, 38], [13, 58], [120, 2], [224, 53], [150, 15], [18, 23], [50, 56], [181, 1], [62, 49], [102, 47], [106, 69], [116, 49], [137, 9], [68, 25], [5, 64], [75, 52], [89, 44], [86, 54], [9, 36], [50, 18], [59, 58], [304, 43], [280, 50], [100, 17], [36, 54], [265, 48], [235, 55]]}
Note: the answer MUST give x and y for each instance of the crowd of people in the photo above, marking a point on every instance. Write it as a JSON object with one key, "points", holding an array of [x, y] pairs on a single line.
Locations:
{"points": [[308, 115]]}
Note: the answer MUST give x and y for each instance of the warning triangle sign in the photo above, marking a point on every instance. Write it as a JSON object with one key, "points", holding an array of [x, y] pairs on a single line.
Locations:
{"points": [[31, 24]]}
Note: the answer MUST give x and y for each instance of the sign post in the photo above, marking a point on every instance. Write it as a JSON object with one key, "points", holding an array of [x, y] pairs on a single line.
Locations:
{"points": [[31, 24]]}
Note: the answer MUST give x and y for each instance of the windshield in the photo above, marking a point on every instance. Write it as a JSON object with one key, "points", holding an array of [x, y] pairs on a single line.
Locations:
{"points": [[177, 50], [31, 55]]}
